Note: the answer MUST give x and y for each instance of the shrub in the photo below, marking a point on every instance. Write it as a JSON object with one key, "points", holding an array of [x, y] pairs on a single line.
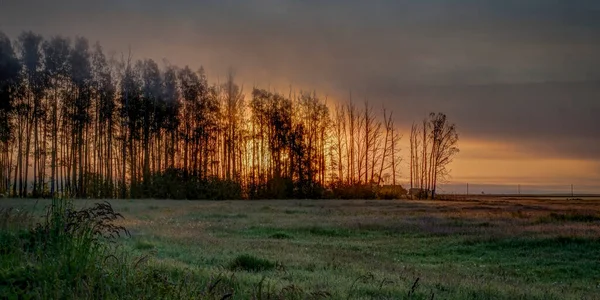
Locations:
{"points": [[143, 245], [389, 192], [176, 183], [353, 191], [63, 255], [281, 236], [328, 232], [249, 263]]}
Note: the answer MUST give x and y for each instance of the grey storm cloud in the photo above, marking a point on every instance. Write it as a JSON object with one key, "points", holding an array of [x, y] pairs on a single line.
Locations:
{"points": [[514, 70]]}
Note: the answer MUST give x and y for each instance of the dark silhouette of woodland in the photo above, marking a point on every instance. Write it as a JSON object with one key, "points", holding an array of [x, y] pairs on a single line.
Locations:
{"points": [[75, 122]]}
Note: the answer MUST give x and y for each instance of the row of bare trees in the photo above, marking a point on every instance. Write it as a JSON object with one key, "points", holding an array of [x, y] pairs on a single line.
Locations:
{"points": [[365, 148], [433, 145], [76, 122]]}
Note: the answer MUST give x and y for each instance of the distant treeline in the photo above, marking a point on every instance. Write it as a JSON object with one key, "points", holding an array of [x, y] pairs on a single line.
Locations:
{"points": [[76, 123]]}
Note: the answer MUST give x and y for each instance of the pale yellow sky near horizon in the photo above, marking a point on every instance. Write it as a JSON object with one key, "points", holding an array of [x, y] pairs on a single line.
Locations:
{"points": [[498, 163]]}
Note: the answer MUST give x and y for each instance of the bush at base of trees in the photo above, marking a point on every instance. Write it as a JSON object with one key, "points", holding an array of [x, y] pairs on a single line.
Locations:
{"points": [[390, 192], [366, 191], [176, 184]]}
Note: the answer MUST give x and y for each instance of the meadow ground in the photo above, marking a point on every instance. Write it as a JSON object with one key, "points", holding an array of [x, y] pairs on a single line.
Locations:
{"points": [[487, 248]]}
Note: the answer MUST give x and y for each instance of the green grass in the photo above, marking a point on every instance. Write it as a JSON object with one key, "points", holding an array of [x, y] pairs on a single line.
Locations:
{"points": [[226, 216], [328, 249], [68, 255]]}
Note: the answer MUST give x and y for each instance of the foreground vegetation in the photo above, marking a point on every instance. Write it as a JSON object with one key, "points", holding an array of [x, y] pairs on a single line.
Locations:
{"points": [[344, 249]]}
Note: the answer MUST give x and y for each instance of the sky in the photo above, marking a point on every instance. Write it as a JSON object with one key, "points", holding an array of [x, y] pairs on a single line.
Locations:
{"points": [[519, 78]]}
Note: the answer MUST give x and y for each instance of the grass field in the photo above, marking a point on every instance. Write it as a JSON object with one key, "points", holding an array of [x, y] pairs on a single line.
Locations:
{"points": [[489, 248]]}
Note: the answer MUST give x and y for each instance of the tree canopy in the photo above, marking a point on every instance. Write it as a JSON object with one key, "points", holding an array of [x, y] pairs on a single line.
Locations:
{"points": [[76, 122]]}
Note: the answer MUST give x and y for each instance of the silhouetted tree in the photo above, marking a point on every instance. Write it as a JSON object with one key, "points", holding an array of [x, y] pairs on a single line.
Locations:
{"points": [[233, 117], [74, 122], [436, 143], [56, 54], [444, 140], [10, 81], [105, 109]]}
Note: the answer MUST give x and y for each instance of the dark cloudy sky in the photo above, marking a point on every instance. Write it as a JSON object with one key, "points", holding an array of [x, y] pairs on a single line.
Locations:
{"points": [[521, 79]]}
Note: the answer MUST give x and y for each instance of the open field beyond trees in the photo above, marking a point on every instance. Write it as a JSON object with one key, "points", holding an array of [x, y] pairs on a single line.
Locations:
{"points": [[488, 248]]}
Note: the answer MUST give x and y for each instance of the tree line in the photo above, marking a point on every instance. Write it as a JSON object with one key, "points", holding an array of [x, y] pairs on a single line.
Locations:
{"points": [[77, 122]]}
